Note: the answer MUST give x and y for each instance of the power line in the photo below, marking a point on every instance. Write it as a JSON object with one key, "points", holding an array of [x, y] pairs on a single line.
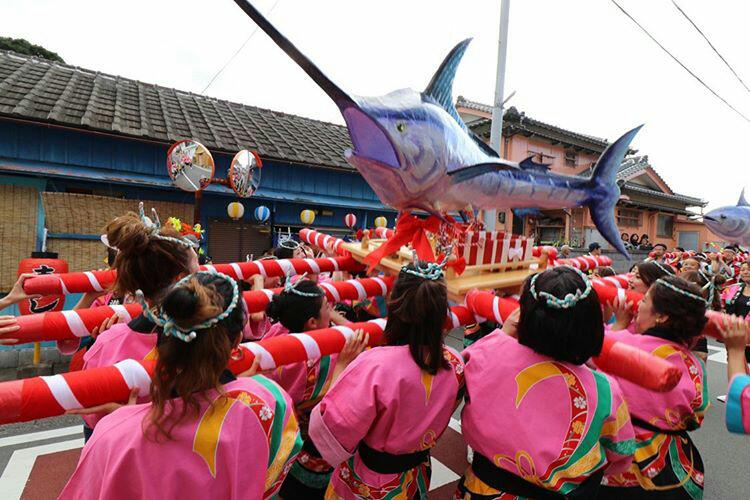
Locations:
{"points": [[710, 44], [237, 52], [680, 62]]}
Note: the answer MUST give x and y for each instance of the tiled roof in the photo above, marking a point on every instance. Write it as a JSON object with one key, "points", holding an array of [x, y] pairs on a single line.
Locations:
{"points": [[632, 165], [514, 118], [44, 91]]}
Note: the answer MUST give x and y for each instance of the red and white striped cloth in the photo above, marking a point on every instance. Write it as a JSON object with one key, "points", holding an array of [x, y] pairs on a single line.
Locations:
{"points": [[494, 247], [65, 325], [323, 241], [617, 281], [98, 281]]}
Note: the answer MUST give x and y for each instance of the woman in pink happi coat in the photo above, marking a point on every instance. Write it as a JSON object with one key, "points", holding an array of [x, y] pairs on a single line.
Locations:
{"points": [[643, 276], [206, 433], [736, 335], [666, 463], [380, 419], [151, 258], [541, 423], [302, 307]]}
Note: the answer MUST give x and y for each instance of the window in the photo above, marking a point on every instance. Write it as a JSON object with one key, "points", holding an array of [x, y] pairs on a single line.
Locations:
{"points": [[664, 226], [628, 218], [571, 158]]}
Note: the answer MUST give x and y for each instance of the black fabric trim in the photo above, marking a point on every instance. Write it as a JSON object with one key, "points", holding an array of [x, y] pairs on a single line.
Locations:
{"points": [[387, 463], [652, 428], [502, 480]]}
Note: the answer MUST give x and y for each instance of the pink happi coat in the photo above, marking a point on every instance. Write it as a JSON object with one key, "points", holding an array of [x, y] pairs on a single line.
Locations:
{"points": [[256, 330], [664, 460], [114, 345], [384, 399], [240, 447], [738, 404], [549, 422]]}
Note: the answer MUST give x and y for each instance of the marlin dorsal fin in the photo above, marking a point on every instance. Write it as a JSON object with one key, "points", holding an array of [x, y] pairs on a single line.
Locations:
{"points": [[440, 88], [743, 202], [530, 164]]}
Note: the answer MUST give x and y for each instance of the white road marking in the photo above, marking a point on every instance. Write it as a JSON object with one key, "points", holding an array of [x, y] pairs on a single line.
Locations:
{"points": [[455, 424], [16, 474], [38, 436], [441, 475], [719, 354]]}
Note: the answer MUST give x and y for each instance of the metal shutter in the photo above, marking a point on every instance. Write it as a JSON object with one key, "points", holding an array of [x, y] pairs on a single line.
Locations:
{"points": [[230, 241]]}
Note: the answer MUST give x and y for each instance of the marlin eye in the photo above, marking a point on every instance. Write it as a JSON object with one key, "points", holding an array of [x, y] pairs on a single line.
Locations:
{"points": [[401, 127]]}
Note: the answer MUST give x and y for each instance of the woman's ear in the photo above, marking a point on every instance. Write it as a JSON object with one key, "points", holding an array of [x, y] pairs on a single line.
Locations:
{"points": [[661, 319], [311, 324]]}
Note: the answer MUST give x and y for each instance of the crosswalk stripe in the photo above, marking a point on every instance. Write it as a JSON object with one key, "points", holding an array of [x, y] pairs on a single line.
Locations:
{"points": [[38, 436], [16, 473]]}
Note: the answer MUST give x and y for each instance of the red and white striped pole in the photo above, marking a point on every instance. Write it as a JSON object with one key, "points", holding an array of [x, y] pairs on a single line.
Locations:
{"points": [[323, 241], [585, 262], [65, 325], [42, 397], [99, 281]]}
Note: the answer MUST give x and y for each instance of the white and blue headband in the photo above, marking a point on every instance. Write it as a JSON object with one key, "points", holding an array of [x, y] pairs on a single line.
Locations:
{"points": [[691, 295], [187, 334], [570, 299], [428, 270], [290, 287]]}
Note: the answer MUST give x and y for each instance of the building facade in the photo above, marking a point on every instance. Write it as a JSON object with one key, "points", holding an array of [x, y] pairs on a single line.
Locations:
{"points": [[648, 208], [78, 147]]}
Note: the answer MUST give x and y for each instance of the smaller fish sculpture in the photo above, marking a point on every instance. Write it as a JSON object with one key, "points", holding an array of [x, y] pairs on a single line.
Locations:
{"points": [[731, 223]]}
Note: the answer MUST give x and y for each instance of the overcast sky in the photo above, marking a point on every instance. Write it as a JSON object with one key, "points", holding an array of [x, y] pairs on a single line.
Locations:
{"points": [[578, 64]]}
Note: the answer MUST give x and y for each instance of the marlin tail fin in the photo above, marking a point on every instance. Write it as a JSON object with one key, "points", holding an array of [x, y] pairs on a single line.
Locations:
{"points": [[605, 192]]}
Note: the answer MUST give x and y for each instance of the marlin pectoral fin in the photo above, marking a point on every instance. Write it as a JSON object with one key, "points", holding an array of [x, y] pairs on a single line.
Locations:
{"points": [[467, 173], [530, 164], [742, 201], [440, 88]]}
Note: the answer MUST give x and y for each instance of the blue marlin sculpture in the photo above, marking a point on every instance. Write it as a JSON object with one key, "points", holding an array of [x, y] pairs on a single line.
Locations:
{"points": [[416, 153], [731, 223]]}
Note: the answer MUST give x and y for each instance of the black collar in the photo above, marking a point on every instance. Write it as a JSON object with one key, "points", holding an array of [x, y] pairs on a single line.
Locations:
{"points": [[659, 332], [142, 324], [226, 377]]}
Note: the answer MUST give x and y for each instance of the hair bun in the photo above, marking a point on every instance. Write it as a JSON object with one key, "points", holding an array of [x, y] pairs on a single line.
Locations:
{"points": [[192, 303], [128, 234]]}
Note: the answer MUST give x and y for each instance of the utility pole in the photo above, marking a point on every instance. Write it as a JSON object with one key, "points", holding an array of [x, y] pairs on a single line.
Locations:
{"points": [[496, 128]]}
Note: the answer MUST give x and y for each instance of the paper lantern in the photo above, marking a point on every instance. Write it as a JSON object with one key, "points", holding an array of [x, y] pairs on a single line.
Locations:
{"points": [[350, 220], [236, 210], [42, 263], [381, 221], [307, 217], [262, 213]]}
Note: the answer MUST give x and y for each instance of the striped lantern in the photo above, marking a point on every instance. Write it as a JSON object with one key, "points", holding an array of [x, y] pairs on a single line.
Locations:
{"points": [[350, 220], [235, 210], [307, 217], [381, 221], [262, 213]]}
